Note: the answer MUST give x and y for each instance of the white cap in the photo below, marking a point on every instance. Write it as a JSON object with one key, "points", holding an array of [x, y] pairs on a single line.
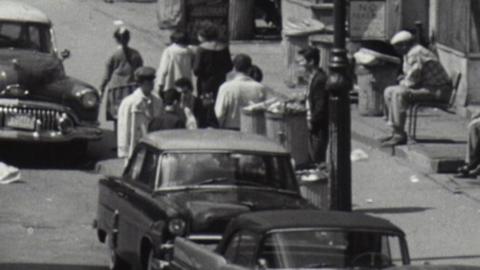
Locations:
{"points": [[401, 36]]}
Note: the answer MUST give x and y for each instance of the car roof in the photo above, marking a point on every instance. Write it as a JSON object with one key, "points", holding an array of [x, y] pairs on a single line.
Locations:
{"points": [[265, 221], [22, 12], [212, 139]]}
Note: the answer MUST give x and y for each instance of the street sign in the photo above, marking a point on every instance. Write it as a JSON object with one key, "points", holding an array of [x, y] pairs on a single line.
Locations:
{"points": [[368, 20]]}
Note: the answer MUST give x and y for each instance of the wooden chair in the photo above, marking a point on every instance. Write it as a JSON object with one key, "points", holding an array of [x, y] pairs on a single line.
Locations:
{"points": [[444, 106]]}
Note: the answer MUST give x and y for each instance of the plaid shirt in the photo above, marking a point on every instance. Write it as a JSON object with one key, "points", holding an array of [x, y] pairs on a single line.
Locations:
{"points": [[423, 70]]}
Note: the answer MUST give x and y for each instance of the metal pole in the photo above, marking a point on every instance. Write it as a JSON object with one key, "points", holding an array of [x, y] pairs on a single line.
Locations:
{"points": [[339, 84]]}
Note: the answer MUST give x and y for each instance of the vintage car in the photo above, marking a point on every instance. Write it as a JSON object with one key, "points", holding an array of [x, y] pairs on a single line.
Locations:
{"points": [[38, 102], [299, 239], [190, 183]]}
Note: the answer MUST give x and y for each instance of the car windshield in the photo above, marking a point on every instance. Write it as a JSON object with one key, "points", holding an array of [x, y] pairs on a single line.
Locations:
{"points": [[316, 249], [239, 169], [29, 36]]}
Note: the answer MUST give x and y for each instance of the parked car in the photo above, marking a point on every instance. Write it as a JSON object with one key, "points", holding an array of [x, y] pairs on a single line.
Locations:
{"points": [[299, 239], [38, 101], [190, 183]]}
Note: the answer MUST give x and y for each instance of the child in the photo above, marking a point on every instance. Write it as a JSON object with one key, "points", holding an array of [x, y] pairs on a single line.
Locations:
{"points": [[173, 116], [189, 102]]}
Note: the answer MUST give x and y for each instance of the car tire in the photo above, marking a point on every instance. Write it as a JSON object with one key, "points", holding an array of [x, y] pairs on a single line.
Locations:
{"points": [[114, 262], [150, 265]]}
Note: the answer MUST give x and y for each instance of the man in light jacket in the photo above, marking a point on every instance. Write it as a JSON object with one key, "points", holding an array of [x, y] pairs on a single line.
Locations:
{"points": [[136, 111]]}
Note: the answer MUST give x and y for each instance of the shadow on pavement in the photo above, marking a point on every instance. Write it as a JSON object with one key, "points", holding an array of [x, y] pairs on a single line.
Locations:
{"points": [[69, 155], [34, 266], [438, 140], [453, 257], [393, 210]]}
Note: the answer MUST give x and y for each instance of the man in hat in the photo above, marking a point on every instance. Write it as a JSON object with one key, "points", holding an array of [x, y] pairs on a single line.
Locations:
{"points": [[424, 79], [136, 111]]}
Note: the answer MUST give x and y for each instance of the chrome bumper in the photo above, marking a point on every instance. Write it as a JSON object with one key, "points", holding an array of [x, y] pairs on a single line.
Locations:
{"points": [[78, 133]]}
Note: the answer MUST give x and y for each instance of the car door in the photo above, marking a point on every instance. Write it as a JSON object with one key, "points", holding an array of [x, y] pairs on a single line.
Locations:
{"points": [[141, 208]]}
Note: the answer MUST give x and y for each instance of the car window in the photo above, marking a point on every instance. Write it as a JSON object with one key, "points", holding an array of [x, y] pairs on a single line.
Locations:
{"points": [[134, 167], [241, 169], [30, 36], [241, 249], [148, 171]]}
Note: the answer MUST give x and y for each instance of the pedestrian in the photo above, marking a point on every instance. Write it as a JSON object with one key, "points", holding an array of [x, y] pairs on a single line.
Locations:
{"points": [[173, 116], [122, 64], [176, 62], [212, 63], [255, 72], [316, 104], [191, 104], [471, 168], [136, 111], [237, 93], [423, 79]]}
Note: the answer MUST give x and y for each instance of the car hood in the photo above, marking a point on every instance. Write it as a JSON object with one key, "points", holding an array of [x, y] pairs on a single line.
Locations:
{"points": [[41, 77], [28, 68], [211, 209]]}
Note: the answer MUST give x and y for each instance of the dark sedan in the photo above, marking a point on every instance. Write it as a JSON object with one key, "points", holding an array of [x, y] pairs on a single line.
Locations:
{"points": [[190, 183]]}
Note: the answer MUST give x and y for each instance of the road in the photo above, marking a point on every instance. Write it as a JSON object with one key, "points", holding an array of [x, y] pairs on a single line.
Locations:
{"points": [[45, 220]]}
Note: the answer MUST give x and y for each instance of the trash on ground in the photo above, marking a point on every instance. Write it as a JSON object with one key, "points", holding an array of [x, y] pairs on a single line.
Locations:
{"points": [[8, 174], [414, 179], [358, 155], [30, 230], [369, 200]]}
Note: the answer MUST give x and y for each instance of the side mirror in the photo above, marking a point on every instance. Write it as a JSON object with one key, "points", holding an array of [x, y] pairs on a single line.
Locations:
{"points": [[65, 54]]}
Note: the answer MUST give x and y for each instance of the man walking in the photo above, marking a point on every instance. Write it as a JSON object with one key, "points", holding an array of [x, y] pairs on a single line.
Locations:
{"points": [[136, 111], [424, 80], [317, 104], [237, 93]]}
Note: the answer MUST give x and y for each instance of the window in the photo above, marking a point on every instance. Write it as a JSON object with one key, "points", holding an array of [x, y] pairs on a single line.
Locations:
{"points": [[149, 170], [135, 165], [29, 36], [241, 169], [241, 249]]}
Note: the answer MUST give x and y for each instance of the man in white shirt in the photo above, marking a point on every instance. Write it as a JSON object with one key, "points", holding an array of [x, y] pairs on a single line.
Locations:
{"points": [[237, 93], [136, 111]]}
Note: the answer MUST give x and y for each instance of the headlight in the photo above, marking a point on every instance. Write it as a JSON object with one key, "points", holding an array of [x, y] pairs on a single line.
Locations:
{"points": [[177, 226], [89, 99]]}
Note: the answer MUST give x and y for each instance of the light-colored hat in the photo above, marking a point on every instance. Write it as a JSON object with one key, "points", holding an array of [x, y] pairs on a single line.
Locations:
{"points": [[401, 36]]}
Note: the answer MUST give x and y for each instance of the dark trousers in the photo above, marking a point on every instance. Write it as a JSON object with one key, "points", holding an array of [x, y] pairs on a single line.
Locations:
{"points": [[318, 143]]}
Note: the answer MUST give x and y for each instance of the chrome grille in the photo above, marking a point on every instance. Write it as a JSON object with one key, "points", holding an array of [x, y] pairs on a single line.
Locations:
{"points": [[46, 119]]}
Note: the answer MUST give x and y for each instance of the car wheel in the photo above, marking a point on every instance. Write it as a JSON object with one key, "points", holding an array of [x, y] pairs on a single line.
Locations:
{"points": [[114, 261], [151, 262]]}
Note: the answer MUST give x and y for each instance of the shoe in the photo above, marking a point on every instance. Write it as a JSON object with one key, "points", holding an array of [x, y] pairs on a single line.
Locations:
{"points": [[385, 138], [463, 172], [395, 140]]}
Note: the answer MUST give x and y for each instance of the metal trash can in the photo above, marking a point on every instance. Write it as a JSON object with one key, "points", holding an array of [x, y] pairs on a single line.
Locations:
{"points": [[314, 187], [290, 130], [253, 121], [372, 81]]}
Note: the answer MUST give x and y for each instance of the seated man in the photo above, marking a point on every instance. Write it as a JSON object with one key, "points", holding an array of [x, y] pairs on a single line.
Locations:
{"points": [[472, 159], [424, 80]]}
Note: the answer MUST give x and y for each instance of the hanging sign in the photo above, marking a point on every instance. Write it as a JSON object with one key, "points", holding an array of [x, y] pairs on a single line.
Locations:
{"points": [[368, 20]]}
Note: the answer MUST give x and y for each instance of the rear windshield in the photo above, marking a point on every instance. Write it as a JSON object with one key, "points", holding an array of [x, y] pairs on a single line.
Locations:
{"points": [[29, 36], [239, 169]]}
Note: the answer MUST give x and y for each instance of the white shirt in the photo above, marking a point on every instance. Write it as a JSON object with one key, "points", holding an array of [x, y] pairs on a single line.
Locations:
{"points": [[235, 94], [134, 114], [176, 62]]}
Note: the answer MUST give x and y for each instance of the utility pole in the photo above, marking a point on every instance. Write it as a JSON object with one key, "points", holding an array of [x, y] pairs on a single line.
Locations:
{"points": [[339, 84]]}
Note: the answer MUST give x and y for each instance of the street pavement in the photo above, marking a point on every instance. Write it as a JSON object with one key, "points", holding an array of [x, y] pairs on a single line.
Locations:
{"points": [[45, 220]]}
